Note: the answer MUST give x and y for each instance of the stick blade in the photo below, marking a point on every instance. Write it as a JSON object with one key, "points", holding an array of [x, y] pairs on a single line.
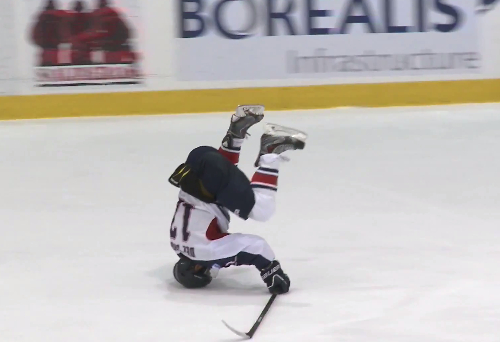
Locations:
{"points": [[239, 333]]}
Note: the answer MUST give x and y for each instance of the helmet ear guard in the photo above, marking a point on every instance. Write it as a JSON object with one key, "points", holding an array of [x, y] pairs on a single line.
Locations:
{"points": [[190, 274], [179, 174], [186, 179]]}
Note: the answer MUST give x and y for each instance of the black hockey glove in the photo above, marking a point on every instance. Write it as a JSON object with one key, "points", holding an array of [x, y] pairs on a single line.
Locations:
{"points": [[276, 280]]}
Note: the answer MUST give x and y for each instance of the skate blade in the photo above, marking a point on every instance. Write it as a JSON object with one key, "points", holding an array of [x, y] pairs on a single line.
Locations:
{"points": [[279, 130], [244, 110]]}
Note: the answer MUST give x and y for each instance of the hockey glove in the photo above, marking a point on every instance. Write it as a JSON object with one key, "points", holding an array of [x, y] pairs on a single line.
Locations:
{"points": [[276, 280]]}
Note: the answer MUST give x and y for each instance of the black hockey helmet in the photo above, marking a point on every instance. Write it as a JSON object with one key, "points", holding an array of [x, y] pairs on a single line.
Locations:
{"points": [[212, 178], [191, 275], [189, 176]]}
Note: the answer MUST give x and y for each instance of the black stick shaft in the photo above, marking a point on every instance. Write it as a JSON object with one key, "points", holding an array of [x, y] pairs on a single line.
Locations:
{"points": [[262, 315]]}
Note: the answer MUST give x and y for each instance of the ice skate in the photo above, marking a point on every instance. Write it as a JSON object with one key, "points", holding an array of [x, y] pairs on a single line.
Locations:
{"points": [[278, 139], [245, 117]]}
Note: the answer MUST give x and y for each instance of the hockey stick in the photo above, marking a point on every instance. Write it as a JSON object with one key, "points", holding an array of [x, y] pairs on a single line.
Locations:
{"points": [[252, 331]]}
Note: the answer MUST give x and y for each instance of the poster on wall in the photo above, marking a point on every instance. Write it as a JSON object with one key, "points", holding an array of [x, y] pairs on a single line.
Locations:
{"points": [[294, 39], [78, 43]]}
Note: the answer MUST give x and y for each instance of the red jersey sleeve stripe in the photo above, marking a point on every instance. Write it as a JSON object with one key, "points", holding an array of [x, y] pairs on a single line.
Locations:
{"points": [[232, 156], [265, 179], [264, 186]]}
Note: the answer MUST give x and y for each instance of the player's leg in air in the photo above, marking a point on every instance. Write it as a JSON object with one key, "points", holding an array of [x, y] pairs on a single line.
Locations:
{"points": [[211, 185]]}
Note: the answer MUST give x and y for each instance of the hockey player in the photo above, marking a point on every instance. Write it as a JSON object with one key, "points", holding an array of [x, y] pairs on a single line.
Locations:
{"points": [[211, 185]]}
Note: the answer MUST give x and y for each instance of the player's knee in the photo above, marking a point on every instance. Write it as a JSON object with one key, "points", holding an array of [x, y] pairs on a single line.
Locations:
{"points": [[259, 246], [259, 243]]}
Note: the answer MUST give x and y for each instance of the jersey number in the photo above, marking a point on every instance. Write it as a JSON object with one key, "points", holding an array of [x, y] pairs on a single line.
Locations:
{"points": [[185, 222]]}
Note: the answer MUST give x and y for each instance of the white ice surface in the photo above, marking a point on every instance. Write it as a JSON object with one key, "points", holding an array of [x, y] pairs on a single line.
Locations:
{"points": [[388, 224]]}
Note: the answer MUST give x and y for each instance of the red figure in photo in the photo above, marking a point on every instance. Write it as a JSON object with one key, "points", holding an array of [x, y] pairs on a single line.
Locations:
{"points": [[79, 24], [47, 33], [115, 34], [108, 33]]}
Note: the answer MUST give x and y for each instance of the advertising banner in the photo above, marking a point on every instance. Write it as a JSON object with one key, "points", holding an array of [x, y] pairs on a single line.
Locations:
{"points": [[280, 39], [77, 43]]}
